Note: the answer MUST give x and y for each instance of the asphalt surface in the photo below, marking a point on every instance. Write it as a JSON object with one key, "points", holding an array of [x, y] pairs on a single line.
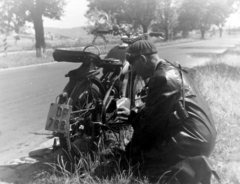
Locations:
{"points": [[194, 53], [27, 92]]}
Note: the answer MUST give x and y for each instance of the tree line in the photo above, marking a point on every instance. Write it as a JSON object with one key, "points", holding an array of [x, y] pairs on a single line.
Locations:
{"points": [[170, 16], [15, 13]]}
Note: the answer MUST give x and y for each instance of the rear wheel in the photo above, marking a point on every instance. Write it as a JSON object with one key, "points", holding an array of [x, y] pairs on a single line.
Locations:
{"points": [[80, 138]]}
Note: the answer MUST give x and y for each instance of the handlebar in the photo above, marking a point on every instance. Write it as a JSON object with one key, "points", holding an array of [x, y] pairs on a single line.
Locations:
{"points": [[142, 37], [156, 34], [130, 39], [105, 32]]}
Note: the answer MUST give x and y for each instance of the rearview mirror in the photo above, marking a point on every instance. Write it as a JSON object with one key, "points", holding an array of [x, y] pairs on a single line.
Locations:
{"points": [[102, 18]]}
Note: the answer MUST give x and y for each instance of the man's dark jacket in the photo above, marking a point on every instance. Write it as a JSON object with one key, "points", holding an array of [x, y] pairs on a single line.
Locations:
{"points": [[166, 141]]}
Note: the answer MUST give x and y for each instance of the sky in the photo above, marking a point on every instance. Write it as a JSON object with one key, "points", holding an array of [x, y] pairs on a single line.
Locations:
{"points": [[233, 21], [76, 9], [74, 15]]}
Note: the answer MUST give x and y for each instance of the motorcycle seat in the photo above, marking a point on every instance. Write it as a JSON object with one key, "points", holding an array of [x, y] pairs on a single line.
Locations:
{"points": [[75, 56]]}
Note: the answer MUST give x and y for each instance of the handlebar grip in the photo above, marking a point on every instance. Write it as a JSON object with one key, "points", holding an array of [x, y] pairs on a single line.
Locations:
{"points": [[156, 34], [132, 40], [127, 40]]}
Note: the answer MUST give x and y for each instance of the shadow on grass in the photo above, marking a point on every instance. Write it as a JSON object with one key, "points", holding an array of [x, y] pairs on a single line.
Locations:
{"points": [[25, 170], [28, 168]]}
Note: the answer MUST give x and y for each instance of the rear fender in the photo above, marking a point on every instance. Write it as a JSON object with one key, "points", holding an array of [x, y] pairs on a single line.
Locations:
{"points": [[63, 97], [99, 84], [117, 52]]}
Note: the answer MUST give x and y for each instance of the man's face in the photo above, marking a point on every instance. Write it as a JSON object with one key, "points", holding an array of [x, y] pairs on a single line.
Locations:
{"points": [[139, 65]]}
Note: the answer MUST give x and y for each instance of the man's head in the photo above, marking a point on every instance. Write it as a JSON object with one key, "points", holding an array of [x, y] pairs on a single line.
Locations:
{"points": [[143, 57]]}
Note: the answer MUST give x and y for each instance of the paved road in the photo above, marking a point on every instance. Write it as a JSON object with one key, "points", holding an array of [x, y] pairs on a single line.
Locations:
{"points": [[194, 53], [27, 92]]}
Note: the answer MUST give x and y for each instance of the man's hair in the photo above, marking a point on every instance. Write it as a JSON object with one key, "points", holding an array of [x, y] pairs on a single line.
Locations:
{"points": [[142, 47]]}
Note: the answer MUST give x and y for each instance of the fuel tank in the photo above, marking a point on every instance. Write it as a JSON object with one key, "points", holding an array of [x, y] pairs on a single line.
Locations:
{"points": [[117, 52]]}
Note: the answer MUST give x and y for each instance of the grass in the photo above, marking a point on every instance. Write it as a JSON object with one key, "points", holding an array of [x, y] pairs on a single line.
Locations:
{"points": [[220, 84], [24, 59], [219, 81]]}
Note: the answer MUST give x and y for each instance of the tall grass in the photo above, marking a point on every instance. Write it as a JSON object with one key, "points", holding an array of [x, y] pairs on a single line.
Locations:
{"points": [[89, 172], [219, 82]]}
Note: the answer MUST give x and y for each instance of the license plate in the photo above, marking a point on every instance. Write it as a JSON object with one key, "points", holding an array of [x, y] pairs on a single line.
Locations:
{"points": [[58, 118]]}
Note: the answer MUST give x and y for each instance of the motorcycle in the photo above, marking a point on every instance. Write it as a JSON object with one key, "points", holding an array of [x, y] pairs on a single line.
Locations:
{"points": [[84, 115]]}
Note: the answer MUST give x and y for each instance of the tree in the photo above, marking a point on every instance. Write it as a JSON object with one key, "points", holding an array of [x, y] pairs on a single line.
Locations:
{"points": [[141, 12], [194, 14], [201, 14], [166, 16], [135, 12], [222, 10], [10, 17], [33, 11]]}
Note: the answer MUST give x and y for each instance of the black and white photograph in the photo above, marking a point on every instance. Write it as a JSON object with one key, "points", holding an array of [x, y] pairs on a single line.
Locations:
{"points": [[119, 91]]}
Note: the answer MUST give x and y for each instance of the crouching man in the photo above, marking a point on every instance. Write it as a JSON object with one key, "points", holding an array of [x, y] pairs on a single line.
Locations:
{"points": [[174, 134]]}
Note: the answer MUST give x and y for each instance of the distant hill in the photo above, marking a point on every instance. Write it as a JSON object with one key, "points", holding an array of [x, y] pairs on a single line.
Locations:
{"points": [[75, 32]]}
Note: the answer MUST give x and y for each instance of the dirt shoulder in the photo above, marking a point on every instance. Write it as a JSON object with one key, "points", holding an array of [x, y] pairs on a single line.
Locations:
{"points": [[26, 169]]}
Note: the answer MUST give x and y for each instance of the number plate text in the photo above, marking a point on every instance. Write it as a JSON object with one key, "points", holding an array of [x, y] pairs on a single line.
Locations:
{"points": [[58, 118]]}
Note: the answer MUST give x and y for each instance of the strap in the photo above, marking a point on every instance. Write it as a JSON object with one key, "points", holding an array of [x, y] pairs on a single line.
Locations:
{"points": [[183, 91], [180, 69], [181, 106]]}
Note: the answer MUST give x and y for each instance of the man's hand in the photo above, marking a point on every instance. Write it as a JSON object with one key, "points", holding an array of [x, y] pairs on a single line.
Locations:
{"points": [[123, 113]]}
